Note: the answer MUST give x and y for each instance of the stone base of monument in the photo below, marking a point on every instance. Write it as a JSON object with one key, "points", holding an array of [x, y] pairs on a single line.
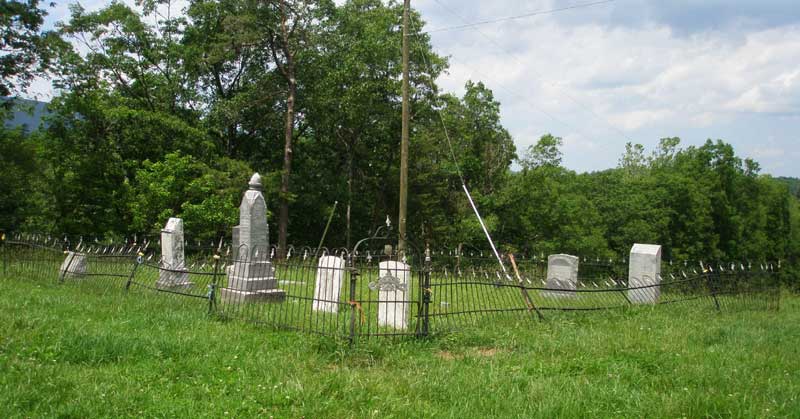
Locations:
{"points": [[174, 280], [230, 295], [251, 282]]}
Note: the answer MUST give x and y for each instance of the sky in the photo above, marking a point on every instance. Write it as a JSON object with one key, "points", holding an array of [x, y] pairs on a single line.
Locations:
{"points": [[625, 71]]}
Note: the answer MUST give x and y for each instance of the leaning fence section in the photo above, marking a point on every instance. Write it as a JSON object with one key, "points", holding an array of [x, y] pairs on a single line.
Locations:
{"points": [[376, 290]]}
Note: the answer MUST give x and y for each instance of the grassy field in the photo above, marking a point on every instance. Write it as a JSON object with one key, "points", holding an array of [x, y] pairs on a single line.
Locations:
{"points": [[77, 352]]}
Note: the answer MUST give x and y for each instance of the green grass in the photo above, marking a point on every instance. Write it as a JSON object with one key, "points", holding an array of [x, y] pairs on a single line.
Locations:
{"points": [[75, 351]]}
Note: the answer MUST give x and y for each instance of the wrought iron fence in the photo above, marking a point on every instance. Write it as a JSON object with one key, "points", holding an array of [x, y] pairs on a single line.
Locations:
{"points": [[374, 289]]}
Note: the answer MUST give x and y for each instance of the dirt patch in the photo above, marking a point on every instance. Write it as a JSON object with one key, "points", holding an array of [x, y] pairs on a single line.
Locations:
{"points": [[449, 356], [487, 352], [474, 353]]}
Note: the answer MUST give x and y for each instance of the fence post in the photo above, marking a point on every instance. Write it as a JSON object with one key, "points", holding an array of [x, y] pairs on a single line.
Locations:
{"points": [[138, 261], [212, 288], [4, 251], [625, 295], [523, 290], [711, 285], [426, 293], [352, 302]]}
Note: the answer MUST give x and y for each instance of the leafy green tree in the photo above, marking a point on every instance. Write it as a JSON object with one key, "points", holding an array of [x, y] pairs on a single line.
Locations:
{"points": [[546, 152], [18, 167], [544, 210], [93, 150], [26, 51], [207, 198]]}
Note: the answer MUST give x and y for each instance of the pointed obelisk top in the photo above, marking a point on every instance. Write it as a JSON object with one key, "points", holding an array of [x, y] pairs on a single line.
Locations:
{"points": [[255, 182]]}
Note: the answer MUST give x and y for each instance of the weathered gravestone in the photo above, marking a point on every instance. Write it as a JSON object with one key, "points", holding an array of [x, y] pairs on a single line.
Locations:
{"points": [[644, 270], [173, 273], [329, 284], [393, 285], [251, 277], [562, 274], [74, 265]]}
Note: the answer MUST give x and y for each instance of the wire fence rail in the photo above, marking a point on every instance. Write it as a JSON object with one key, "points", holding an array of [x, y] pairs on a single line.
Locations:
{"points": [[372, 290]]}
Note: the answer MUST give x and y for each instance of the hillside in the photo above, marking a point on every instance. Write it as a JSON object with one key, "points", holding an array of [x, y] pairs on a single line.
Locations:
{"points": [[27, 113], [794, 184]]}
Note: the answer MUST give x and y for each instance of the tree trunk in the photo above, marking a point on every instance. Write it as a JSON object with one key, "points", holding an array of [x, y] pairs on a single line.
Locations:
{"points": [[288, 70], [283, 214], [349, 190]]}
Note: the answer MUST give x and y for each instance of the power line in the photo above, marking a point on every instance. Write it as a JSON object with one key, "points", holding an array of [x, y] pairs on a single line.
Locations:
{"points": [[509, 91], [532, 70], [522, 97], [515, 17]]}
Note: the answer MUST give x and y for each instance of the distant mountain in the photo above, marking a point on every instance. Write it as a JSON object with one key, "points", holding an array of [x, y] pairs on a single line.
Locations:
{"points": [[794, 184], [26, 113]]}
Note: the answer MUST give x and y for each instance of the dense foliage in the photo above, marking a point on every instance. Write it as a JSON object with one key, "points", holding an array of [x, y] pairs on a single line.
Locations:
{"points": [[165, 114]]}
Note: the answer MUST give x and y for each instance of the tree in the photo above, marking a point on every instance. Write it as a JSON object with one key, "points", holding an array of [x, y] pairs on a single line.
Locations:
{"points": [[296, 20], [353, 105], [207, 198], [546, 152], [18, 166], [26, 52], [119, 52]]}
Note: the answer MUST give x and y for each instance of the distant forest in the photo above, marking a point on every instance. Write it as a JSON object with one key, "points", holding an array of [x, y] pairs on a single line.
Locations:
{"points": [[160, 116], [793, 183]]}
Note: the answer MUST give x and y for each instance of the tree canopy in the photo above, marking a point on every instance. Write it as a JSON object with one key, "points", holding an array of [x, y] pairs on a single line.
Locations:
{"points": [[165, 113]]}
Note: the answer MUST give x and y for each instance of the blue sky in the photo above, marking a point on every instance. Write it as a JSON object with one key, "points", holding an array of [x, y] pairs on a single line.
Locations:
{"points": [[628, 70]]}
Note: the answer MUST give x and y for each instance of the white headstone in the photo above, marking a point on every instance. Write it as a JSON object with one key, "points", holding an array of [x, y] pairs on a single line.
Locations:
{"points": [[173, 263], [329, 284], [393, 286], [251, 277], [562, 274], [644, 270], [74, 265]]}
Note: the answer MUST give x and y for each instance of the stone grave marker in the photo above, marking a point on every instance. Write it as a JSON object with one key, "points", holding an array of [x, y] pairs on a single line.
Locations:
{"points": [[173, 262], [329, 284], [393, 285], [562, 274], [252, 277], [74, 265], [644, 270]]}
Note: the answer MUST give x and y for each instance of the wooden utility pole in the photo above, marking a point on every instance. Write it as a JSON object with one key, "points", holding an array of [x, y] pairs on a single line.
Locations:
{"points": [[401, 219]]}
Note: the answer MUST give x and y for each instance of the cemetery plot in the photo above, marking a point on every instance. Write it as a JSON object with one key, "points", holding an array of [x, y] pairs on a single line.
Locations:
{"points": [[375, 294]]}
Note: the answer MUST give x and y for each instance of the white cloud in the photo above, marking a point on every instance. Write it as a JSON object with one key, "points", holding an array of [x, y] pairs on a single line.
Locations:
{"points": [[610, 82]]}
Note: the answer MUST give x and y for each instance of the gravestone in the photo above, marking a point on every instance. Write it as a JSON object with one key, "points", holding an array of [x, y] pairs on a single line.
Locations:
{"points": [[562, 274], [251, 277], [329, 284], [644, 270], [392, 286], [74, 265], [173, 273]]}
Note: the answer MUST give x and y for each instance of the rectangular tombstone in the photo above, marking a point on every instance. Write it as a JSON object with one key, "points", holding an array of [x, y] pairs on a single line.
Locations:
{"points": [[74, 266], [644, 270], [173, 273], [393, 286], [252, 277], [562, 274], [328, 284]]}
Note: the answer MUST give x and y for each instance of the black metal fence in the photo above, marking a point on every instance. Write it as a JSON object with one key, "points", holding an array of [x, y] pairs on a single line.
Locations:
{"points": [[374, 290]]}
